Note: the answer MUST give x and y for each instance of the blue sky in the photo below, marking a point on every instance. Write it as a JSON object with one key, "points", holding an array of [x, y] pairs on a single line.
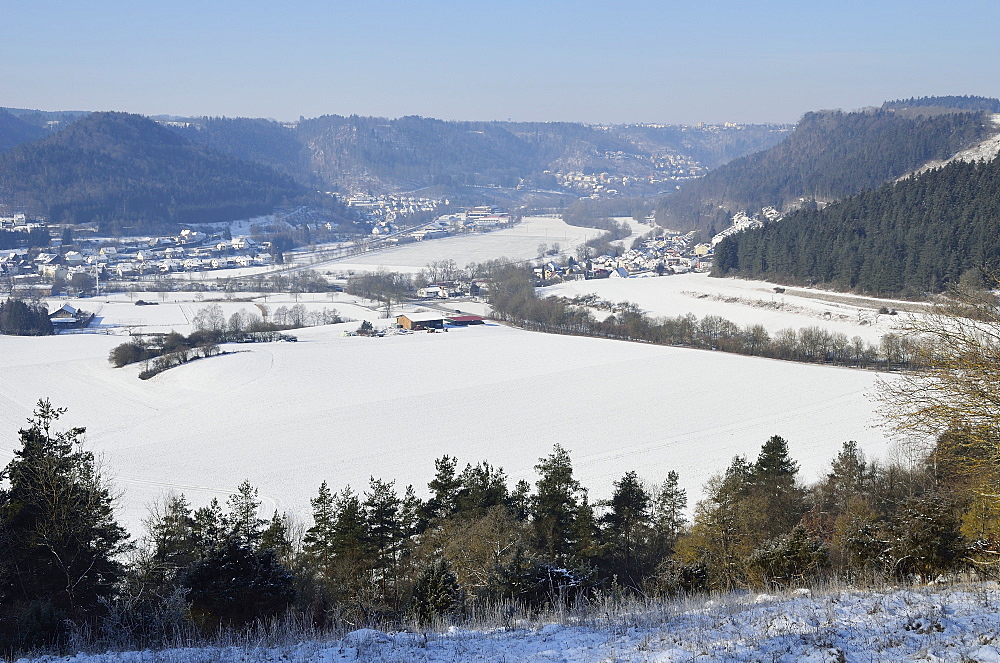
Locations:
{"points": [[666, 61]]}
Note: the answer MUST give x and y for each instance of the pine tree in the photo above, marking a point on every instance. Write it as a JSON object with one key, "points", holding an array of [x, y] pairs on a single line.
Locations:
{"points": [[318, 540], [244, 524], [555, 505], [59, 541], [481, 487], [773, 484], [669, 506], [276, 537], [444, 489], [170, 533], [382, 512], [209, 527], [626, 529], [235, 584]]}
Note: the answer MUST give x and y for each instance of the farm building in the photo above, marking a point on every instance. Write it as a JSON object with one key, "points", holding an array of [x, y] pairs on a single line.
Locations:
{"points": [[66, 313], [466, 320], [417, 321], [68, 316]]}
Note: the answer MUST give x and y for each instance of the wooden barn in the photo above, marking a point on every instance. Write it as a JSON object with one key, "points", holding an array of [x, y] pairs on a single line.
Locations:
{"points": [[418, 321]]}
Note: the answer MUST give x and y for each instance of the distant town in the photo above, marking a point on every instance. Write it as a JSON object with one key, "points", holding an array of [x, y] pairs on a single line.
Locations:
{"points": [[71, 261]]}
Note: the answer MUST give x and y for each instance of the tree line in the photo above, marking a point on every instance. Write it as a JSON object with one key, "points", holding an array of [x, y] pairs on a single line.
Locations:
{"points": [[383, 556], [515, 300], [965, 102], [15, 239], [164, 351]]}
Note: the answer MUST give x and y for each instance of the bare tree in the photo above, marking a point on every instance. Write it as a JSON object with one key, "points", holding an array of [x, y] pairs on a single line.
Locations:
{"points": [[210, 318], [957, 387]]}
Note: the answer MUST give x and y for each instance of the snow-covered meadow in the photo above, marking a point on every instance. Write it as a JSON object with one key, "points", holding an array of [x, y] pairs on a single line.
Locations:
{"points": [[287, 416], [960, 625], [176, 311], [744, 302]]}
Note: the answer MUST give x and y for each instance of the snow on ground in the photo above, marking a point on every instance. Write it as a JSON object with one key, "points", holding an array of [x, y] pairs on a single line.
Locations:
{"points": [[742, 302], [986, 150], [287, 416], [175, 311], [959, 625], [517, 243]]}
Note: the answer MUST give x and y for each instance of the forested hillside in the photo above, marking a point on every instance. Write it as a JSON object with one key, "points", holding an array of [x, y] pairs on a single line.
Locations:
{"points": [[263, 141], [127, 172], [14, 131], [831, 154], [507, 163], [916, 236], [358, 153], [412, 151]]}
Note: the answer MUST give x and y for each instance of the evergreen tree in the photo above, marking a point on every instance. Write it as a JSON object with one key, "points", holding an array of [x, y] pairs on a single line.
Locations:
{"points": [[171, 536], [20, 318], [435, 593], [235, 584], [337, 544], [481, 487], [350, 533], [444, 489], [626, 529], [276, 537], [244, 524], [382, 508], [725, 525], [209, 526], [773, 484], [319, 539], [59, 541], [669, 507], [555, 506]]}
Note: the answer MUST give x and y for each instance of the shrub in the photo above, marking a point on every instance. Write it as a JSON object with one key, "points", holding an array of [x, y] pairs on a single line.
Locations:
{"points": [[127, 353], [436, 592]]}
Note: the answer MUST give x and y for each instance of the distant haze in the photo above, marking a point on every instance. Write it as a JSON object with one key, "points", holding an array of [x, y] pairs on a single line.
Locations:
{"points": [[646, 61]]}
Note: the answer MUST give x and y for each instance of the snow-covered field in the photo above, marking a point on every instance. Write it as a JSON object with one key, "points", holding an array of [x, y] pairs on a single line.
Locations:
{"points": [[287, 416], [743, 302], [517, 243], [954, 625], [175, 311]]}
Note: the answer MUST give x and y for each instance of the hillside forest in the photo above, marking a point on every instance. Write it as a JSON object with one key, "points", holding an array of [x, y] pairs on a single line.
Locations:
{"points": [[829, 155], [908, 239], [126, 173]]}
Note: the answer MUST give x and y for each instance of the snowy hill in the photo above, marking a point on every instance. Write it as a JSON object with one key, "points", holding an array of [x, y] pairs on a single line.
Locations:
{"points": [[287, 416]]}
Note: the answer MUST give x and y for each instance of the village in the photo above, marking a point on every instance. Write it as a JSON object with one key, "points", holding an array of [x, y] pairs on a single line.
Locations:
{"points": [[664, 255], [71, 263], [74, 263]]}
